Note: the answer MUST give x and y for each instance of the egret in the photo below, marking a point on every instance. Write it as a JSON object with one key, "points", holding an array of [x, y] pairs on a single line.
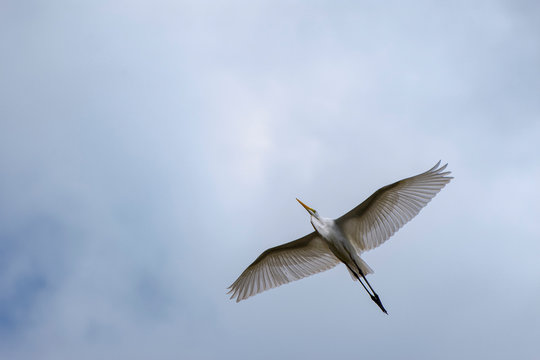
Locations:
{"points": [[343, 239]]}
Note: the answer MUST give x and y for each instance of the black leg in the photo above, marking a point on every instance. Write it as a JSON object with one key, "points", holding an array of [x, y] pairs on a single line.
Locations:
{"points": [[356, 275], [374, 296]]}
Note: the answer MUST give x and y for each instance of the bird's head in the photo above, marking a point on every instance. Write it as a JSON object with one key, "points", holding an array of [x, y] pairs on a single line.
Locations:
{"points": [[311, 211]]}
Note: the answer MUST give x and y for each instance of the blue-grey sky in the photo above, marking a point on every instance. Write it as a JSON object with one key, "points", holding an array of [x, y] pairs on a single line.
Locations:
{"points": [[150, 150]]}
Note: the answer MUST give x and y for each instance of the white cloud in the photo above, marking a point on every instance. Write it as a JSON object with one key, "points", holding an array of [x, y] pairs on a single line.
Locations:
{"points": [[150, 152]]}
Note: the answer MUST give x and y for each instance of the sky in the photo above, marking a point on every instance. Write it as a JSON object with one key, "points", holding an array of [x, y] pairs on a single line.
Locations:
{"points": [[150, 150]]}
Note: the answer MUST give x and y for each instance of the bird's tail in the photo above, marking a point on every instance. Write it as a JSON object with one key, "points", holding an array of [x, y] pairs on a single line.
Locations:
{"points": [[362, 265]]}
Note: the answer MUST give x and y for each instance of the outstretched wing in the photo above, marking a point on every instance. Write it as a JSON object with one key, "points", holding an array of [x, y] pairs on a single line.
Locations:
{"points": [[282, 264], [376, 219]]}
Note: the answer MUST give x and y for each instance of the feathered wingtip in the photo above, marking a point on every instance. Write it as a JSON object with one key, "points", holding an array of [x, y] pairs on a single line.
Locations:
{"points": [[439, 171], [233, 290]]}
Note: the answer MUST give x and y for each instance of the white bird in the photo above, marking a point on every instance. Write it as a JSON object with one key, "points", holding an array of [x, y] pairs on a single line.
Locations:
{"points": [[343, 239]]}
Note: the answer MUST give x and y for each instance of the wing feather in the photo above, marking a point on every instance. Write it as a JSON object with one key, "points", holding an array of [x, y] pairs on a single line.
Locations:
{"points": [[376, 219], [282, 264]]}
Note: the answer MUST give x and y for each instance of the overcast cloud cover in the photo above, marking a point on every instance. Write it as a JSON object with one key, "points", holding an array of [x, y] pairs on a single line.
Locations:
{"points": [[150, 150]]}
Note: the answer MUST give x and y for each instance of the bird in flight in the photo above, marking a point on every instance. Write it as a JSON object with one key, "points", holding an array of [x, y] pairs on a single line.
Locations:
{"points": [[343, 239]]}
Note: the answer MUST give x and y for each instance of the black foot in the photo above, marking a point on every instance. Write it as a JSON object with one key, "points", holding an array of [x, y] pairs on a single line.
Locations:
{"points": [[377, 301]]}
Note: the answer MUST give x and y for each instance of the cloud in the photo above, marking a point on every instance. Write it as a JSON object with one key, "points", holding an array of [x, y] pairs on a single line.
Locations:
{"points": [[149, 152]]}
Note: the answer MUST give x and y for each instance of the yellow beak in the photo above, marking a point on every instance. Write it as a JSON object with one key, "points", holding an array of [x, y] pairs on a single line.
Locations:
{"points": [[305, 206]]}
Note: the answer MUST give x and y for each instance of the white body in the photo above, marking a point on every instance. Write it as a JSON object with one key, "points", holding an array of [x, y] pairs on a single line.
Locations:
{"points": [[339, 244]]}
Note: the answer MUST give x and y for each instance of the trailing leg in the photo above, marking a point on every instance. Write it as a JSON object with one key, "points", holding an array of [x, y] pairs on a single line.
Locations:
{"points": [[374, 296]]}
